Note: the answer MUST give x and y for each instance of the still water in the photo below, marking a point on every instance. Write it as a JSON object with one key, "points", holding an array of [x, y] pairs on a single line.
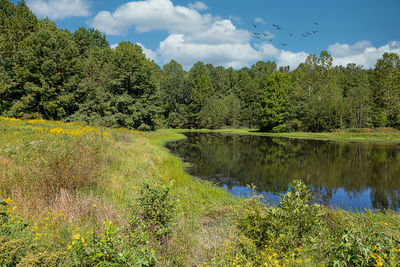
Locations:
{"points": [[352, 176]]}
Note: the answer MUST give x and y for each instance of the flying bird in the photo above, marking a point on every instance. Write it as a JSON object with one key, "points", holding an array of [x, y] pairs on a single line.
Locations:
{"points": [[304, 35], [284, 44], [254, 25], [291, 34], [314, 32], [316, 23], [266, 34]]}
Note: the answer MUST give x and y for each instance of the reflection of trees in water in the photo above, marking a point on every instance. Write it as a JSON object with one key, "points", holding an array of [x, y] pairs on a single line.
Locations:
{"points": [[271, 163]]}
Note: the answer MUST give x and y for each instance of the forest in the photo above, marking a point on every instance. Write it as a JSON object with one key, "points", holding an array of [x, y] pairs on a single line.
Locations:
{"points": [[50, 73]]}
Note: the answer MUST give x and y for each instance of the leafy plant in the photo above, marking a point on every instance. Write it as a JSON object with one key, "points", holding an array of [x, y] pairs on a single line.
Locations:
{"points": [[158, 209]]}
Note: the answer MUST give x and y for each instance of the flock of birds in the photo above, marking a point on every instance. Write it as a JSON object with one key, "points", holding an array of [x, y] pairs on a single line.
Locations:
{"points": [[277, 27]]}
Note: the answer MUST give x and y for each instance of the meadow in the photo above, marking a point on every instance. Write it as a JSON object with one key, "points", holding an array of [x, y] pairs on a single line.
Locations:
{"points": [[76, 195]]}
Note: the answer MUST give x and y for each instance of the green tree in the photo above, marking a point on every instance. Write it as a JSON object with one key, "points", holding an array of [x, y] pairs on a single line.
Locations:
{"points": [[174, 94], [16, 23], [317, 99], [47, 73], [357, 92], [274, 111], [219, 112], [201, 90], [89, 39], [386, 91], [249, 94]]}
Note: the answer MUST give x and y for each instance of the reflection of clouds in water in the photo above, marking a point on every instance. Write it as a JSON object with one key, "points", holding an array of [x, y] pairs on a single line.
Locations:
{"points": [[352, 175]]}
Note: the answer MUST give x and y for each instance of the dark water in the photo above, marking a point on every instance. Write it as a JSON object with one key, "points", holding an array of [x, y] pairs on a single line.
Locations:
{"points": [[348, 175]]}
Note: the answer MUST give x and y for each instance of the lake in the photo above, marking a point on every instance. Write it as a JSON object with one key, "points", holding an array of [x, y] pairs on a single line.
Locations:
{"points": [[349, 175]]}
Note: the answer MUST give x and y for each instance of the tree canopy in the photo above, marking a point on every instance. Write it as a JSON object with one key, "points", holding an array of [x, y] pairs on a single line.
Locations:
{"points": [[46, 72]]}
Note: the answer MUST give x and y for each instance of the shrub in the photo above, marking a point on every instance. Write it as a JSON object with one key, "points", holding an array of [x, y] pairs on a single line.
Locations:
{"points": [[365, 245], [158, 209], [287, 226]]}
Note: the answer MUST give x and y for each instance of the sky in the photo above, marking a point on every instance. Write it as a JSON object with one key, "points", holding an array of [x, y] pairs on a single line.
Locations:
{"points": [[238, 33]]}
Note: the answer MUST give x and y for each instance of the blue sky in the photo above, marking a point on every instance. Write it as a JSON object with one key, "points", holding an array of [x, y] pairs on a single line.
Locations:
{"points": [[220, 32]]}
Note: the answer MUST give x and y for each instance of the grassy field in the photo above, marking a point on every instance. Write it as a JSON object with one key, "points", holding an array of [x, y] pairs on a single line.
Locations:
{"points": [[380, 135], [74, 195]]}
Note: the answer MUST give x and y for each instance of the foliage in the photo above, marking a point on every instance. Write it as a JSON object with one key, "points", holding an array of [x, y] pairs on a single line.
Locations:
{"points": [[289, 226], [274, 106], [311, 232], [158, 209]]}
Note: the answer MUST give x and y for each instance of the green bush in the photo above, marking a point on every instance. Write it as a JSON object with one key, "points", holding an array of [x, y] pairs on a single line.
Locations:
{"points": [[290, 225], [365, 246], [158, 209]]}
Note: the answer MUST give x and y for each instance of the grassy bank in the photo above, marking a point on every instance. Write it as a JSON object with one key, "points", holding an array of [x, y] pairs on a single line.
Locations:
{"points": [[73, 195], [380, 135]]}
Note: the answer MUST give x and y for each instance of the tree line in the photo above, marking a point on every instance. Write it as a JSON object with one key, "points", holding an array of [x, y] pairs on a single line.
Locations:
{"points": [[49, 73]]}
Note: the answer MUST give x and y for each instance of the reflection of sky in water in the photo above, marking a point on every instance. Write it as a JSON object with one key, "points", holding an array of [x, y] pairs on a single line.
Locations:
{"points": [[352, 176], [340, 199]]}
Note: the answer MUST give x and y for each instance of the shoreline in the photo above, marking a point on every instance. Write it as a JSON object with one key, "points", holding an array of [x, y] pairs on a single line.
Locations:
{"points": [[375, 136]]}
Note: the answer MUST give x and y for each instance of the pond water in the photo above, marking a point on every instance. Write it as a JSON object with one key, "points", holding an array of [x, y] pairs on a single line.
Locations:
{"points": [[350, 175]]}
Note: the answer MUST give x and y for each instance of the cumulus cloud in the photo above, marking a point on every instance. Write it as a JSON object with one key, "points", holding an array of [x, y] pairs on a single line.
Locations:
{"points": [[187, 53], [361, 53], [283, 57], [235, 55], [198, 5], [291, 59], [60, 9], [152, 15], [221, 31]]}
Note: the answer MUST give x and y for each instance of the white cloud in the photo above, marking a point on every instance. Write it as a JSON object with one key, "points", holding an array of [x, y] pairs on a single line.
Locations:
{"points": [[343, 50], [361, 53], [292, 59], [152, 15], [283, 58], [60, 9], [198, 5], [221, 31], [186, 53], [235, 55]]}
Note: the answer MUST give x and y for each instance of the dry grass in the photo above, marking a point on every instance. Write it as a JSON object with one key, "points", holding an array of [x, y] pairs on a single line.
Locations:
{"points": [[43, 171]]}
